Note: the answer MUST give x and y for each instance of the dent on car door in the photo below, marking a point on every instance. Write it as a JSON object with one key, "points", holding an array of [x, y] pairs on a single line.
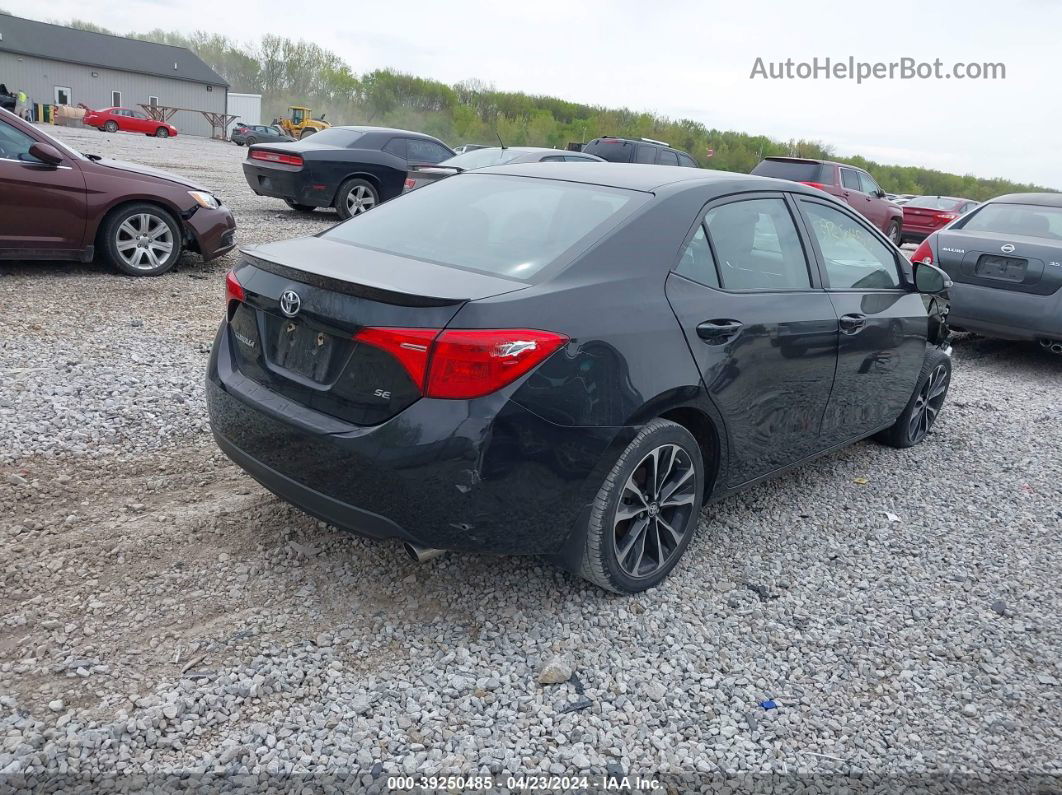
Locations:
{"points": [[763, 333], [44, 205], [882, 322]]}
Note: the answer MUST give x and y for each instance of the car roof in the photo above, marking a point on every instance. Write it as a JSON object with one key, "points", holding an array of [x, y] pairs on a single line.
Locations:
{"points": [[642, 177], [383, 130], [658, 144], [1042, 199]]}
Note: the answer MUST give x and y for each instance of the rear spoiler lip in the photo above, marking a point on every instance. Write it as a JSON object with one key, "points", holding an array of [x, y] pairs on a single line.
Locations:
{"points": [[426, 166], [251, 257]]}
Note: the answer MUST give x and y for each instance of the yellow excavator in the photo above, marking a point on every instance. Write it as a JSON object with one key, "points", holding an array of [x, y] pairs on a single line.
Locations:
{"points": [[299, 122]]}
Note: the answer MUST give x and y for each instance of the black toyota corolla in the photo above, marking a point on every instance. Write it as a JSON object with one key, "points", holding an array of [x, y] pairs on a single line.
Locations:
{"points": [[569, 360]]}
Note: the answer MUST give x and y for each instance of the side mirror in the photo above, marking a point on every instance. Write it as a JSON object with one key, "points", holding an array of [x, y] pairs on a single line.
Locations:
{"points": [[46, 153], [930, 279], [880, 193]]}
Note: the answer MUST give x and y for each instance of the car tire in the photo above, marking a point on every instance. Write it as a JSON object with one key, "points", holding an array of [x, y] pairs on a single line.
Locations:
{"points": [[922, 410], [251, 141], [238, 143], [355, 196], [302, 208], [146, 224], [894, 233], [628, 547], [111, 126], [162, 132]]}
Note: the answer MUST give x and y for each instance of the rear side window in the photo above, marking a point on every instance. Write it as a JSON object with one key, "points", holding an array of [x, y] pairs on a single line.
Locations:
{"points": [[396, 147], [1016, 219], [757, 246], [687, 161], [855, 258], [501, 225], [697, 262], [850, 180], [795, 170], [612, 149], [646, 154], [420, 151], [668, 158]]}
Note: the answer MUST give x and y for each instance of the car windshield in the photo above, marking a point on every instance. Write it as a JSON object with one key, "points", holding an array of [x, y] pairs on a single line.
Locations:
{"points": [[500, 225], [1016, 219], [336, 136], [934, 202], [481, 158]]}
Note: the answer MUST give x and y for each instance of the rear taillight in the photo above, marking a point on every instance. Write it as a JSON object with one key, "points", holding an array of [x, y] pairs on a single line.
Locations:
{"points": [[924, 253], [410, 183], [233, 289], [945, 217], [274, 157], [461, 364], [819, 185]]}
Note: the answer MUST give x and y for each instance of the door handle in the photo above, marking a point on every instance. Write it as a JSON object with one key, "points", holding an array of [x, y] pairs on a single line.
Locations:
{"points": [[716, 332], [852, 324]]}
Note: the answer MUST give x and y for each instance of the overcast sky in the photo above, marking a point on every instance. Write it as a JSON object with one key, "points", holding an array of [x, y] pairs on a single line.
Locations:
{"points": [[694, 59]]}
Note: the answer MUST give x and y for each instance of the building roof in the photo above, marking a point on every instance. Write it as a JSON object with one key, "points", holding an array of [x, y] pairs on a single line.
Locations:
{"points": [[58, 43]]}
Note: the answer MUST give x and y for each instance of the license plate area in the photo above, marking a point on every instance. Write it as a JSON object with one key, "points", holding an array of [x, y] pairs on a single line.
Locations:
{"points": [[1007, 269], [303, 350]]}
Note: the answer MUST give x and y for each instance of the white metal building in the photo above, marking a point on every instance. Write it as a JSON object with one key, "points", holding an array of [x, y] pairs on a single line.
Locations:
{"points": [[58, 65], [247, 108]]}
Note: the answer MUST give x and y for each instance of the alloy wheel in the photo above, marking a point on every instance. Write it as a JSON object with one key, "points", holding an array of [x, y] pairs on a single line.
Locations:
{"points": [[928, 403], [360, 199], [144, 241], [655, 511]]}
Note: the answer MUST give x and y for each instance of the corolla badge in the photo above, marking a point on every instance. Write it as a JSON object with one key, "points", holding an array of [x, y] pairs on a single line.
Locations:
{"points": [[290, 303], [1007, 248]]}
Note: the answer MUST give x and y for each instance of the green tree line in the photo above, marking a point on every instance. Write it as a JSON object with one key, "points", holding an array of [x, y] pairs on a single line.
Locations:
{"points": [[288, 72]]}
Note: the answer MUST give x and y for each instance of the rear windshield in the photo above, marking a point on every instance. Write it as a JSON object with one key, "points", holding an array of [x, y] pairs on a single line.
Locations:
{"points": [[336, 136], [934, 202], [1014, 219], [612, 149], [496, 224], [796, 171], [481, 158]]}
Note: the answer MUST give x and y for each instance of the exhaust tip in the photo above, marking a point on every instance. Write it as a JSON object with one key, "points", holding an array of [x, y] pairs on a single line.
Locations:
{"points": [[421, 554], [1054, 346]]}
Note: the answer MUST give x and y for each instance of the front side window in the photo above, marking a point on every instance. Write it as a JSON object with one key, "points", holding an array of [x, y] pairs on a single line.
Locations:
{"points": [[758, 246], [495, 224], [854, 257], [697, 262], [868, 183], [15, 144]]}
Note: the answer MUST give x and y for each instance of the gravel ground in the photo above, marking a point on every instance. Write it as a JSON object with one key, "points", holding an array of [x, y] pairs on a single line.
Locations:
{"points": [[160, 613]]}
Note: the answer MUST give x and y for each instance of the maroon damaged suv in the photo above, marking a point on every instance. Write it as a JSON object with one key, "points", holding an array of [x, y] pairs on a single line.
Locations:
{"points": [[849, 184], [59, 204]]}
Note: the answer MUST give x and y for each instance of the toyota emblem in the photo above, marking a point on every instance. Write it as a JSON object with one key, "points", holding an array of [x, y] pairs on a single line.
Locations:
{"points": [[290, 303], [1007, 248]]}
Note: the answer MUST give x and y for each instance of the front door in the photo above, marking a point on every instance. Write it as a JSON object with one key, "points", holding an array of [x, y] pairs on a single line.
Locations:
{"points": [[43, 205], [761, 329], [883, 324]]}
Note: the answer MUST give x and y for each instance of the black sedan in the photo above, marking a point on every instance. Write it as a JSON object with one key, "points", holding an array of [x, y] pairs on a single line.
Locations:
{"points": [[350, 168], [251, 134], [1005, 258], [419, 176], [569, 359]]}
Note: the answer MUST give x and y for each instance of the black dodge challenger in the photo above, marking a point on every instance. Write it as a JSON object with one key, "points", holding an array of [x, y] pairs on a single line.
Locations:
{"points": [[350, 168], [569, 359]]}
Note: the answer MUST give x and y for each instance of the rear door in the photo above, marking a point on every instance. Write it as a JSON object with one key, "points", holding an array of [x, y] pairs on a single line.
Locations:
{"points": [[761, 329], [43, 205], [852, 190], [883, 325]]}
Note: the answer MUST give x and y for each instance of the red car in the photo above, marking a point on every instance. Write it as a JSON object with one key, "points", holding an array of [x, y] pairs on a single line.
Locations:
{"points": [[924, 215], [851, 185], [59, 204], [115, 119]]}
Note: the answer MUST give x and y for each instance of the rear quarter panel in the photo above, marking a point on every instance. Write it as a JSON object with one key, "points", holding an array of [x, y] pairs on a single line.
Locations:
{"points": [[333, 166]]}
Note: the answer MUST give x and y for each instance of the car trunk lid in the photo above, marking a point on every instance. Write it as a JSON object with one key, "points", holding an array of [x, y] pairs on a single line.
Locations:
{"points": [[1013, 263], [295, 330]]}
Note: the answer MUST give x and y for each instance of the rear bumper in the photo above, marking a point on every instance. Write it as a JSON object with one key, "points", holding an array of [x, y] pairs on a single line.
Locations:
{"points": [[483, 475], [1006, 314], [279, 183], [214, 231]]}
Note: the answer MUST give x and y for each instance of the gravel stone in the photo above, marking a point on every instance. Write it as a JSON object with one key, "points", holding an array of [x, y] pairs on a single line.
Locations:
{"points": [[555, 671]]}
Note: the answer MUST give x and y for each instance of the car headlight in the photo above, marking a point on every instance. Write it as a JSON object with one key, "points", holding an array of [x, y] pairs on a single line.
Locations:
{"points": [[204, 199]]}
